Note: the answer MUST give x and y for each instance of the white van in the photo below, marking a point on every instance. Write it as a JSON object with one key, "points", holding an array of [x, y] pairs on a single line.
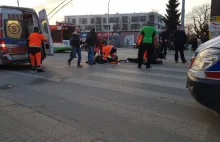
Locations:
{"points": [[16, 24]]}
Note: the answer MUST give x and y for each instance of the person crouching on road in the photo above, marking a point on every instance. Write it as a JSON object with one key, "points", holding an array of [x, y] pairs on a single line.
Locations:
{"points": [[107, 51], [75, 42], [35, 47]]}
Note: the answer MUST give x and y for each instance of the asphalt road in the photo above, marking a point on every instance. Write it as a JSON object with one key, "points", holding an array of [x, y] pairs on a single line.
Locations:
{"points": [[120, 103]]}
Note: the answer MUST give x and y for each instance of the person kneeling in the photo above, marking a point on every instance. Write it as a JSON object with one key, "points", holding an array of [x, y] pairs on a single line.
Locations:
{"points": [[108, 55]]}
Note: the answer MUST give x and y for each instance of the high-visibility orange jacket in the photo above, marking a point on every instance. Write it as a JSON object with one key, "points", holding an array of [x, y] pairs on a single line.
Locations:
{"points": [[145, 55], [139, 40], [107, 51], [35, 39]]}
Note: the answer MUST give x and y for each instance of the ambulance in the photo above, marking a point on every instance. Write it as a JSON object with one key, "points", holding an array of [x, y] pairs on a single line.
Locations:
{"points": [[203, 81], [16, 24]]}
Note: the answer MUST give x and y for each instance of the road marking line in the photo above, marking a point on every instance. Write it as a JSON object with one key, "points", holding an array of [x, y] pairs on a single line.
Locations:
{"points": [[159, 68], [140, 80], [147, 73], [139, 115], [175, 99]]}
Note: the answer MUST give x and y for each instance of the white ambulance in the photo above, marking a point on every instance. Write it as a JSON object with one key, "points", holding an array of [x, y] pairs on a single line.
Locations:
{"points": [[16, 24]]}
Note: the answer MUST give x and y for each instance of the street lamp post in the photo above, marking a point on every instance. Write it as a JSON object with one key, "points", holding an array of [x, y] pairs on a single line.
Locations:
{"points": [[108, 21], [183, 14], [18, 2]]}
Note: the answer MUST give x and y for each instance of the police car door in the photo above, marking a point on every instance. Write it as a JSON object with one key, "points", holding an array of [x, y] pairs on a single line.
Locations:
{"points": [[46, 31]]}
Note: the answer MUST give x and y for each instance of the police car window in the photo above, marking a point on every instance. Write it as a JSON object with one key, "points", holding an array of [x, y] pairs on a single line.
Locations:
{"points": [[14, 29]]}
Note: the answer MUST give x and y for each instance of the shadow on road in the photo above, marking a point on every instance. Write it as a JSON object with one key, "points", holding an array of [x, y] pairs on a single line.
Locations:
{"points": [[22, 67]]}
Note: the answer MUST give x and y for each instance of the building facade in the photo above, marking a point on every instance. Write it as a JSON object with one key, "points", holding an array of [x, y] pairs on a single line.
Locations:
{"points": [[117, 22], [214, 28]]}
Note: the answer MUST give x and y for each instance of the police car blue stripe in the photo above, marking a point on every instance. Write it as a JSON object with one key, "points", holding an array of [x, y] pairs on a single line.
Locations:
{"points": [[215, 67]]}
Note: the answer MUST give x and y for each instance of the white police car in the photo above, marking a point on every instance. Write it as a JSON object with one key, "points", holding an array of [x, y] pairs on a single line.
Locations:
{"points": [[203, 79]]}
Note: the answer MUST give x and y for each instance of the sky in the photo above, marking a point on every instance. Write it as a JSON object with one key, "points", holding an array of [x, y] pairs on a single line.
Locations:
{"points": [[82, 7]]}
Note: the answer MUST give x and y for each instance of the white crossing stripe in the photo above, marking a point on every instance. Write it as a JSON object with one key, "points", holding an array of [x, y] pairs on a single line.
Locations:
{"points": [[147, 73], [140, 80], [175, 99], [158, 68], [186, 127]]}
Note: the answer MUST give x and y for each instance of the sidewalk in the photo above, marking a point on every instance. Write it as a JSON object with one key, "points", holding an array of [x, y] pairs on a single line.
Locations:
{"points": [[21, 124]]}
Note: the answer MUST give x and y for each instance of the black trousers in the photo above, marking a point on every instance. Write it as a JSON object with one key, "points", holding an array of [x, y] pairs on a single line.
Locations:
{"points": [[164, 49], [150, 53], [179, 48]]}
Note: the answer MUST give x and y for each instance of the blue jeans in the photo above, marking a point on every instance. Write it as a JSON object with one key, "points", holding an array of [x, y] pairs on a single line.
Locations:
{"points": [[90, 54], [73, 54]]}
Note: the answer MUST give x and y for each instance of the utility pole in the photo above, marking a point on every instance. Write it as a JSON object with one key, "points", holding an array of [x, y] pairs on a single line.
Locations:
{"points": [[18, 2], [183, 14], [108, 22]]}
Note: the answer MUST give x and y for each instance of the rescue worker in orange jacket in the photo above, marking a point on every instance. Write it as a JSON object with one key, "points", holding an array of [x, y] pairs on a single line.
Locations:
{"points": [[35, 46], [109, 50]]}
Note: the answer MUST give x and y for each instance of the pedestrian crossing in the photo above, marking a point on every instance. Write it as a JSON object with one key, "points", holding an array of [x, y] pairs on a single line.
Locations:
{"points": [[124, 91]]}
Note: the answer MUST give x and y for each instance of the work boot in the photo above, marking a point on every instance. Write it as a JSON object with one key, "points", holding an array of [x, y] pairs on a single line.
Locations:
{"points": [[148, 67], [79, 66], [69, 62], [184, 61], [33, 67], [40, 69]]}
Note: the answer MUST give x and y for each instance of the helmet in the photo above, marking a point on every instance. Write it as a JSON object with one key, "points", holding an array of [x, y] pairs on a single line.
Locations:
{"points": [[114, 49]]}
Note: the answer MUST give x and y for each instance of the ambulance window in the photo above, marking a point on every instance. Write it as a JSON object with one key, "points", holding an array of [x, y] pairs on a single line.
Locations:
{"points": [[45, 27], [14, 29], [56, 35]]}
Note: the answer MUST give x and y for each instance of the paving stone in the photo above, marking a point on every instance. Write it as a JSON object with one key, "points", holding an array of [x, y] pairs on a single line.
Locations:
{"points": [[9, 139], [8, 134], [17, 140], [59, 131], [78, 136], [17, 111], [31, 139], [2, 137], [4, 102], [38, 121]]}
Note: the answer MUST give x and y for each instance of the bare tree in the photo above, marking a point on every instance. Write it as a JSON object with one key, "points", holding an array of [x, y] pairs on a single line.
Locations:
{"points": [[199, 18]]}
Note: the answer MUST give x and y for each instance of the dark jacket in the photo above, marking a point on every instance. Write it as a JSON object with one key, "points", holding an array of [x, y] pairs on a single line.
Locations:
{"points": [[179, 37], [75, 40], [91, 39], [164, 36]]}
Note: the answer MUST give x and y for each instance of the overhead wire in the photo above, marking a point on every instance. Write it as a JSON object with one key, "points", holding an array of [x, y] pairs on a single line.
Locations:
{"points": [[56, 7], [46, 3], [60, 9]]}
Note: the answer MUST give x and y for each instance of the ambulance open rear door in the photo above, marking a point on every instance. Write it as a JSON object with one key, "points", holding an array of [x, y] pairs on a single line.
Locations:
{"points": [[46, 31]]}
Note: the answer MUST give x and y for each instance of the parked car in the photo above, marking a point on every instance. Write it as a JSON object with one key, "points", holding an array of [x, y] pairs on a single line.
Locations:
{"points": [[203, 81]]}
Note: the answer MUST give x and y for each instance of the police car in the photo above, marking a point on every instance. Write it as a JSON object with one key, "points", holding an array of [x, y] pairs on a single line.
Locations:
{"points": [[203, 81]]}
